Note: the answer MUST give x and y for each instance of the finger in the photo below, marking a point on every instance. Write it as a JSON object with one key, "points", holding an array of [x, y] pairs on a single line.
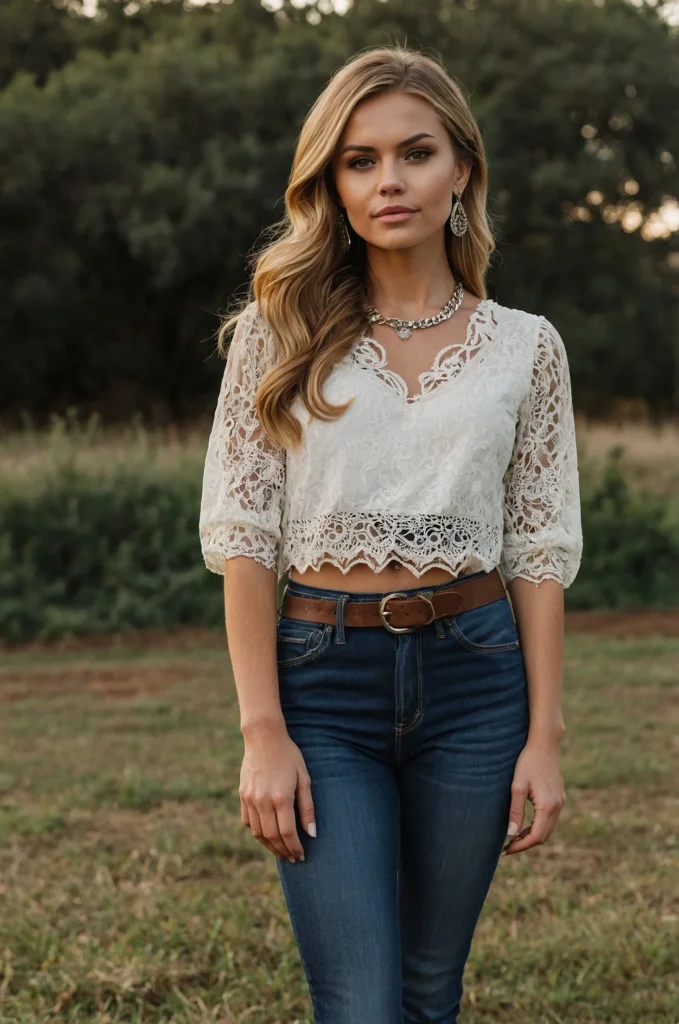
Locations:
{"points": [[538, 833], [256, 826], [271, 848], [285, 813], [305, 806], [513, 841], [264, 842], [517, 809], [271, 831], [540, 826], [553, 818], [244, 815]]}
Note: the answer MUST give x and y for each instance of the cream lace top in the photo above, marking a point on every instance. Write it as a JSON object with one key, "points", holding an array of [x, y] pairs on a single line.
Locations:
{"points": [[477, 469]]}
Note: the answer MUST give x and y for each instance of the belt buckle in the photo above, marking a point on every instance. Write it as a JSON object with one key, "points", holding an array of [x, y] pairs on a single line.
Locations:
{"points": [[403, 629]]}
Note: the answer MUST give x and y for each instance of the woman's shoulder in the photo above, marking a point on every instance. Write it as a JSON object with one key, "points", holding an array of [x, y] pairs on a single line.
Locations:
{"points": [[251, 316], [517, 328], [253, 328], [524, 329], [518, 318], [521, 318]]}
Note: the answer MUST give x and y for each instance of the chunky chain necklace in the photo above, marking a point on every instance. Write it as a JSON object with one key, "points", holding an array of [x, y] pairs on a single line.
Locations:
{"points": [[404, 328]]}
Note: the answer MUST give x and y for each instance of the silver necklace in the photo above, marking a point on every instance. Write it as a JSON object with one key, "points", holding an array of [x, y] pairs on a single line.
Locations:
{"points": [[404, 328]]}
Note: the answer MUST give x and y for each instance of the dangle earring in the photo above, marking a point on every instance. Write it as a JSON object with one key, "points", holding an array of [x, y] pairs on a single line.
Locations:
{"points": [[458, 218], [345, 237]]}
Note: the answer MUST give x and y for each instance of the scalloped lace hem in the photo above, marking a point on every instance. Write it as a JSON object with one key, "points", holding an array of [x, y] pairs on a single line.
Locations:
{"points": [[214, 561], [457, 567], [536, 578]]}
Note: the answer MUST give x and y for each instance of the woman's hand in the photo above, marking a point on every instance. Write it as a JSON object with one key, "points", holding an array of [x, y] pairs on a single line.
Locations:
{"points": [[272, 774], [537, 776]]}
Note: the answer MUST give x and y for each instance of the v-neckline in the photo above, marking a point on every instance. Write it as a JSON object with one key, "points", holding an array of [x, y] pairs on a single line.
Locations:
{"points": [[394, 382]]}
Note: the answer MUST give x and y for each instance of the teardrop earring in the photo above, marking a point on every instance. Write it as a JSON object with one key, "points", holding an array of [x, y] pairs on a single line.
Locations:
{"points": [[345, 237], [458, 218]]}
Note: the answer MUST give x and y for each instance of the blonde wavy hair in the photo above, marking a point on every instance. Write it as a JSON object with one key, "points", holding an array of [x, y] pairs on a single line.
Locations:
{"points": [[312, 294]]}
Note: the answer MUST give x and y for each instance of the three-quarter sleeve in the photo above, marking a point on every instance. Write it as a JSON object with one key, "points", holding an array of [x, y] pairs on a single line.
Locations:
{"points": [[244, 473], [542, 521]]}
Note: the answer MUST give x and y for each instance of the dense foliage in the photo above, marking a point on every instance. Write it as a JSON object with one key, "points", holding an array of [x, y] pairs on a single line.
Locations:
{"points": [[143, 152], [84, 553]]}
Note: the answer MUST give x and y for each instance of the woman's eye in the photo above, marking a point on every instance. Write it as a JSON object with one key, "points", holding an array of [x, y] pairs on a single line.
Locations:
{"points": [[414, 152]]}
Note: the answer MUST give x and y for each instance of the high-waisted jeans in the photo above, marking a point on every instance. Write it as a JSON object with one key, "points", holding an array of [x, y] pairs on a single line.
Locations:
{"points": [[410, 741]]}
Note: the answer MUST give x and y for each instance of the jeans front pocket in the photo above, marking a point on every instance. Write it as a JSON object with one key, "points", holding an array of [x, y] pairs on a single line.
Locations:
{"points": [[299, 641], [489, 629]]}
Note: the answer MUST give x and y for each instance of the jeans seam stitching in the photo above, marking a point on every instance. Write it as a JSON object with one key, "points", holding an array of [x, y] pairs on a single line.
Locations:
{"points": [[309, 655], [419, 713], [476, 649]]}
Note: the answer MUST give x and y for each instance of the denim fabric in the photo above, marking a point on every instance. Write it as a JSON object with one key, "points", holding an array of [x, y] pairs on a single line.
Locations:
{"points": [[410, 741]]}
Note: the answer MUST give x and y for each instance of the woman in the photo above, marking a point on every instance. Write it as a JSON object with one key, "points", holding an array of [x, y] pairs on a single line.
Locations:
{"points": [[403, 446]]}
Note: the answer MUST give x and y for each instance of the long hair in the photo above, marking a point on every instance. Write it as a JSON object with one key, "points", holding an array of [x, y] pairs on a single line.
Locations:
{"points": [[312, 294]]}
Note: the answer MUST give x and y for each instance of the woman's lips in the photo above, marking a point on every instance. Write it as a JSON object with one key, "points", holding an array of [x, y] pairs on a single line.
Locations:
{"points": [[402, 215]]}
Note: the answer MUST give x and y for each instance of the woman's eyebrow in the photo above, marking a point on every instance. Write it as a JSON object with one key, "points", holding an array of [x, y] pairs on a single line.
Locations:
{"points": [[400, 145]]}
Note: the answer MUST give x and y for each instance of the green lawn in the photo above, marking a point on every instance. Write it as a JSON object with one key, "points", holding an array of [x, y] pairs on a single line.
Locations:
{"points": [[131, 892]]}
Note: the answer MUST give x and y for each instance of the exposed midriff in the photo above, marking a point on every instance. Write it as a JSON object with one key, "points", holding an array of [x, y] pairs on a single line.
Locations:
{"points": [[363, 579]]}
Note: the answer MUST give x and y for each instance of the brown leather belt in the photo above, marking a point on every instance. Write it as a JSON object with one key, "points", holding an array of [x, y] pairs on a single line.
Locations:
{"points": [[405, 614]]}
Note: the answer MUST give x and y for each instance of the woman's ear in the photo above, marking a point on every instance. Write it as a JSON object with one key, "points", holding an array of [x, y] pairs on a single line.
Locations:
{"points": [[463, 181]]}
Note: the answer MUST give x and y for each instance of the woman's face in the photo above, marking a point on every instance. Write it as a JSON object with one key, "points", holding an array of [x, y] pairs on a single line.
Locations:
{"points": [[396, 151]]}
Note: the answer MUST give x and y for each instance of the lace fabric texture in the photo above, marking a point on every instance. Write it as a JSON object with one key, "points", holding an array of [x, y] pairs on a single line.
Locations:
{"points": [[477, 469], [369, 353]]}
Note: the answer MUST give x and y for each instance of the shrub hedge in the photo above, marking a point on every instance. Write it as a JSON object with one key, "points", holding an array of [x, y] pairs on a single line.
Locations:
{"points": [[119, 550]]}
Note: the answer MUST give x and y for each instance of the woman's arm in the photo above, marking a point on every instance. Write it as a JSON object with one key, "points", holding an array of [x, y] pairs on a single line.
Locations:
{"points": [[539, 612], [250, 616], [542, 543], [240, 530], [541, 555], [240, 516]]}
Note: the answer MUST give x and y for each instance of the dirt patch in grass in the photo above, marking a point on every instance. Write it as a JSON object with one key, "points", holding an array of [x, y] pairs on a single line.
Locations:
{"points": [[625, 623], [184, 639], [619, 624], [105, 681]]}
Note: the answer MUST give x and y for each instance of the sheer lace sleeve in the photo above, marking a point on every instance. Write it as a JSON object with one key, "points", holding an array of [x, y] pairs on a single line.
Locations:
{"points": [[542, 528], [244, 474]]}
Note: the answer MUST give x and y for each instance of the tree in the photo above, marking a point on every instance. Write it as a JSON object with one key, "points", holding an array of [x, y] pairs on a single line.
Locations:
{"points": [[137, 175]]}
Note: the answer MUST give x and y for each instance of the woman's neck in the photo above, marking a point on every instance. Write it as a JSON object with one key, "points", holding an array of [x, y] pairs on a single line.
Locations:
{"points": [[409, 283]]}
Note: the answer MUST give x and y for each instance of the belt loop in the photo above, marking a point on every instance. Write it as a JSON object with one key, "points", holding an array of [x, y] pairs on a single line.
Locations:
{"points": [[438, 625], [339, 622]]}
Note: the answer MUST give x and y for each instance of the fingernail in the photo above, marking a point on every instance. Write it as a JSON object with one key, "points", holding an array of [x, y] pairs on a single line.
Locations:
{"points": [[302, 857], [312, 829], [513, 828]]}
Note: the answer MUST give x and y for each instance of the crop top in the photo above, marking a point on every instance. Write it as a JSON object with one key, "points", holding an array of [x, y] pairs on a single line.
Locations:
{"points": [[478, 469]]}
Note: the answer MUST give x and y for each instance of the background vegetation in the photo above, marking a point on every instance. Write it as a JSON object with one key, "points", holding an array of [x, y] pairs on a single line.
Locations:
{"points": [[98, 529], [144, 151]]}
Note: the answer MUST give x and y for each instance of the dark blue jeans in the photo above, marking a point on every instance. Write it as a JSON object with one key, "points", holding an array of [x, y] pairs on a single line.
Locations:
{"points": [[410, 741]]}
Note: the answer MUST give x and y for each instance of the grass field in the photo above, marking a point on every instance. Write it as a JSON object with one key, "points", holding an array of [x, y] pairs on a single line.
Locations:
{"points": [[131, 892], [650, 455]]}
